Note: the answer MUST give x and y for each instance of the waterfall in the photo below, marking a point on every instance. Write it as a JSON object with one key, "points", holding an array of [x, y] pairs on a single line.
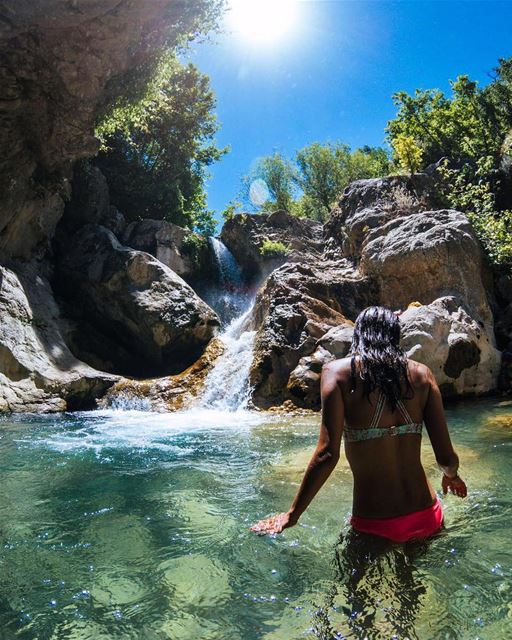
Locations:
{"points": [[227, 385], [230, 297]]}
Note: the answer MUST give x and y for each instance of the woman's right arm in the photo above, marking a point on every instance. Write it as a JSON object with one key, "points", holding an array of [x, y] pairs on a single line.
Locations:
{"points": [[437, 429]]}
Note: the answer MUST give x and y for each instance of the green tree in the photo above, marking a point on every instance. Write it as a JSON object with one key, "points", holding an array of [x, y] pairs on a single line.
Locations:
{"points": [[271, 184], [155, 152], [470, 124], [324, 170]]}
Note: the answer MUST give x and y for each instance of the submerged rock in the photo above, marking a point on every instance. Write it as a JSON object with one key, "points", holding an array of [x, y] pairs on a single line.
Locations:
{"points": [[38, 372], [135, 302]]}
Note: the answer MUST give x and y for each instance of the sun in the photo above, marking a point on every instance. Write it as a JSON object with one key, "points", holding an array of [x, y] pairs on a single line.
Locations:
{"points": [[262, 21]]}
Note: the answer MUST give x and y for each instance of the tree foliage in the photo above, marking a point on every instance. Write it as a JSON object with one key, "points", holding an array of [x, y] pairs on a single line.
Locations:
{"points": [[471, 129], [311, 185], [408, 153], [271, 184], [323, 172], [470, 124], [155, 152]]}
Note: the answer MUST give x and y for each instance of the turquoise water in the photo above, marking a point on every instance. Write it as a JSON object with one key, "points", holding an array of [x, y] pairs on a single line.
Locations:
{"points": [[135, 525]]}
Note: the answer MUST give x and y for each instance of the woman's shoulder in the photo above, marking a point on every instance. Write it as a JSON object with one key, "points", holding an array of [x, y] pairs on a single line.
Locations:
{"points": [[341, 368], [419, 374]]}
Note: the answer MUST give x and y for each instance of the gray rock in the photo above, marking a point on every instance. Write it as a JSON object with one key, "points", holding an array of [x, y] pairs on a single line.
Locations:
{"points": [[114, 220], [458, 349], [170, 244], [294, 310], [245, 234], [37, 370], [338, 340], [136, 301], [90, 200], [368, 204], [426, 256]]}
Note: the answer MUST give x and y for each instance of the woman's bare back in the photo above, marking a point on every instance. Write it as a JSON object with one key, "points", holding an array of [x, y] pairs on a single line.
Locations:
{"points": [[389, 479]]}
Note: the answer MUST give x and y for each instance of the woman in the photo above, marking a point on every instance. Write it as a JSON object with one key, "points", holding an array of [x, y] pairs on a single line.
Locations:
{"points": [[377, 400]]}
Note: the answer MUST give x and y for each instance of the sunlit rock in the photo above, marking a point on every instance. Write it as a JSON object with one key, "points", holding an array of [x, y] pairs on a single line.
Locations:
{"points": [[459, 350], [38, 372], [294, 310], [245, 235]]}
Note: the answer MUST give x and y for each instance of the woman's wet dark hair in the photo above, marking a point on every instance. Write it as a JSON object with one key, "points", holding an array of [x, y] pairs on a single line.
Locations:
{"points": [[381, 363]]}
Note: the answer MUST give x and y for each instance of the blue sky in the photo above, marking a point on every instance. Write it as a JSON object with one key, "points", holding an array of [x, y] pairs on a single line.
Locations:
{"points": [[332, 75]]}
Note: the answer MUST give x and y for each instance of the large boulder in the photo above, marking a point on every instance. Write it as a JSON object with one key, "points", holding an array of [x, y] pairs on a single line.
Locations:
{"points": [[134, 302], [458, 349], [368, 204], [245, 235], [426, 256], [38, 372], [294, 310], [183, 251]]}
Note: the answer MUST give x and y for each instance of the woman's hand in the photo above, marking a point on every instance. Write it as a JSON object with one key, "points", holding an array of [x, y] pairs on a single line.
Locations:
{"points": [[455, 485], [274, 524]]}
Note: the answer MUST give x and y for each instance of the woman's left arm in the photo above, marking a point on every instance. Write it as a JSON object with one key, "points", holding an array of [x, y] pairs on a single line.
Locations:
{"points": [[324, 458]]}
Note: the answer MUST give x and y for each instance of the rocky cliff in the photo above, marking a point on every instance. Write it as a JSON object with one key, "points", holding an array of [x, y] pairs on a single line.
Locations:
{"points": [[383, 244], [62, 63]]}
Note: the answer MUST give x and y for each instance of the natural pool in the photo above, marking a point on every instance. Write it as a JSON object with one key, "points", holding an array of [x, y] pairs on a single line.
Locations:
{"points": [[135, 525]]}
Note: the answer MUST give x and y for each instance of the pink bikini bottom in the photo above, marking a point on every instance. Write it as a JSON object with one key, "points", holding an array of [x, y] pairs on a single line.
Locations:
{"points": [[416, 525]]}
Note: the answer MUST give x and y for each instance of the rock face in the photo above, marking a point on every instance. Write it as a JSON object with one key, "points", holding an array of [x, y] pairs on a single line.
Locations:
{"points": [[426, 256], [134, 302], [457, 349], [171, 393], [63, 61], [382, 246], [245, 234], [184, 252], [368, 204], [38, 371], [295, 309]]}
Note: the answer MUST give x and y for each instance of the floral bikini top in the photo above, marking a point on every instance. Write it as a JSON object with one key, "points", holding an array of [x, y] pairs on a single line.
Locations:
{"points": [[373, 431]]}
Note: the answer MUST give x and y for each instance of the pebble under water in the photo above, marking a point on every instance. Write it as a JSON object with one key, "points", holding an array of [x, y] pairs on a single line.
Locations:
{"points": [[136, 525]]}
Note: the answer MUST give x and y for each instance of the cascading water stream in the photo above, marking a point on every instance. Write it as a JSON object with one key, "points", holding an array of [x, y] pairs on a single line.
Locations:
{"points": [[227, 385], [230, 297]]}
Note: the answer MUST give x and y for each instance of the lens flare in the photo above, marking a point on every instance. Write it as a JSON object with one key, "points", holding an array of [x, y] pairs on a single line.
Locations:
{"points": [[258, 192]]}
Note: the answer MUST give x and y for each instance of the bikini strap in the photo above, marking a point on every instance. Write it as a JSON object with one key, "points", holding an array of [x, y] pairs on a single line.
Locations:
{"points": [[404, 412], [379, 408]]}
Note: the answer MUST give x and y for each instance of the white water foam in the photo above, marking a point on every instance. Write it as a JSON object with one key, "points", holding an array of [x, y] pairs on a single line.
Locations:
{"points": [[142, 430], [227, 385]]}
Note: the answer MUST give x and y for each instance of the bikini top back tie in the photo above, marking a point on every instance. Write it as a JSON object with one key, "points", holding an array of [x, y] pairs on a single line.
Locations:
{"points": [[374, 431]]}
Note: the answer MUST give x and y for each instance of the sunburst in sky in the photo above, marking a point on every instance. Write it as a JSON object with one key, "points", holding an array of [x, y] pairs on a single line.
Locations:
{"points": [[263, 21]]}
